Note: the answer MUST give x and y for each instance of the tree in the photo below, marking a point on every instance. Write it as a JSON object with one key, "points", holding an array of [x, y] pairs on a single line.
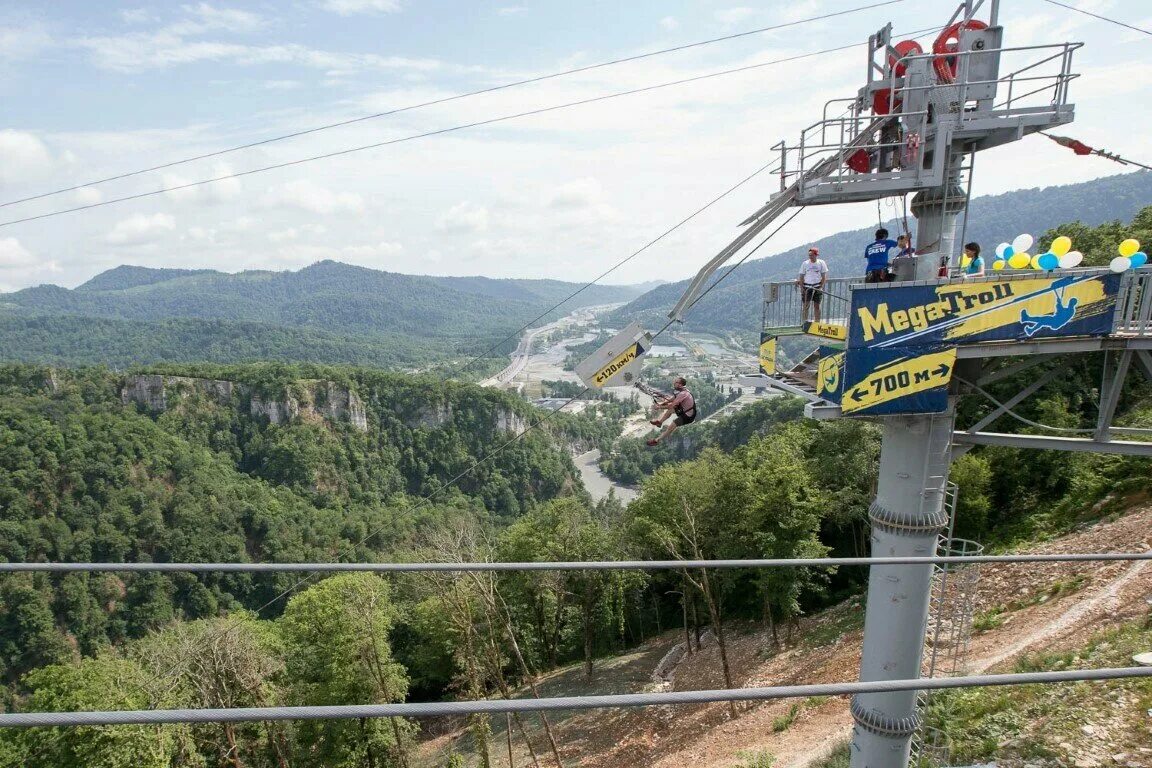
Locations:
{"points": [[337, 652], [692, 511], [106, 682]]}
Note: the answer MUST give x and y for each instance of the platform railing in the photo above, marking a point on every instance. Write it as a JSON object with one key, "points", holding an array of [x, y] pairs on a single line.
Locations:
{"points": [[783, 303], [1037, 86], [1135, 304]]}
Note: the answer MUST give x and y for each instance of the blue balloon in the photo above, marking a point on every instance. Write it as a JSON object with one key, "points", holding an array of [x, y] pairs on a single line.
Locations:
{"points": [[1008, 252], [1139, 259], [1048, 261]]}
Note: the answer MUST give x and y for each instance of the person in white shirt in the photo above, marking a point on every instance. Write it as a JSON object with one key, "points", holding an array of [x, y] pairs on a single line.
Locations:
{"points": [[813, 276]]}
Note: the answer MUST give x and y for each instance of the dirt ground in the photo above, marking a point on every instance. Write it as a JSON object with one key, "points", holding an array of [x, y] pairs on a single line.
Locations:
{"points": [[1052, 606]]}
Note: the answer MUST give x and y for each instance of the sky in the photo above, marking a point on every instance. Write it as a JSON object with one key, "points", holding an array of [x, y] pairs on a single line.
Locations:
{"points": [[93, 90]]}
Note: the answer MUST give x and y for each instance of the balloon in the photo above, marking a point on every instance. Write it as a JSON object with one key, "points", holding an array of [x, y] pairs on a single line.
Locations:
{"points": [[1139, 259], [1022, 243], [1019, 261], [1035, 263], [1071, 259], [1008, 252], [1000, 251], [1061, 245], [1129, 247], [1048, 261], [998, 264], [965, 261], [1120, 263]]}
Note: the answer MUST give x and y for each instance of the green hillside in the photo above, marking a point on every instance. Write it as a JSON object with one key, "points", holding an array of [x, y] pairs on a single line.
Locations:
{"points": [[735, 305], [328, 313]]}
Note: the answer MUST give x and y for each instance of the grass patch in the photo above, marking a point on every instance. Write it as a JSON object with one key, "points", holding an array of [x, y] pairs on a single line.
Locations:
{"points": [[781, 723], [994, 617], [840, 757], [1043, 722], [761, 758]]}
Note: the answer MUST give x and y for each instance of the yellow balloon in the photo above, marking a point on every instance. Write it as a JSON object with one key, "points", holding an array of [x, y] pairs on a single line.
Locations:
{"points": [[1129, 247], [964, 262], [998, 264], [1019, 261], [1035, 262], [1062, 245]]}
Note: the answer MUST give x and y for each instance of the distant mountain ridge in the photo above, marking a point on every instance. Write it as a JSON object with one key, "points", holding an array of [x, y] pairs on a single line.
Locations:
{"points": [[735, 305], [327, 303]]}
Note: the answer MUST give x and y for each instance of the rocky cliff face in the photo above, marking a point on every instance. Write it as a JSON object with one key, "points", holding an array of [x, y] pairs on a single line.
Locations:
{"points": [[326, 400]]}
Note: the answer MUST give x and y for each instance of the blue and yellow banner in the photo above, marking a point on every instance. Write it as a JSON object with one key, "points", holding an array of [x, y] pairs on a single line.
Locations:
{"points": [[767, 354], [829, 376], [891, 381], [971, 312]]}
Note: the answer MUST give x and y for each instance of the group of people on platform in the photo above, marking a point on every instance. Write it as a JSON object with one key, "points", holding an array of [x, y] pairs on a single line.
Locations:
{"points": [[879, 255]]}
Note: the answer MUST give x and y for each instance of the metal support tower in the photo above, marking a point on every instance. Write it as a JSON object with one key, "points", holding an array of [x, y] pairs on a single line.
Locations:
{"points": [[907, 518]]}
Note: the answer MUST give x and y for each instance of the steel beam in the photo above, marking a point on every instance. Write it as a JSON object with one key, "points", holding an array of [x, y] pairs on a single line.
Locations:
{"points": [[1012, 402], [1115, 371], [1144, 363], [1011, 370], [1048, 443]]}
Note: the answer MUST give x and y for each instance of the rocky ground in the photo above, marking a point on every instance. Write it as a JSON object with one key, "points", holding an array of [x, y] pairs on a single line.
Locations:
{"points": [[1020, 610]]}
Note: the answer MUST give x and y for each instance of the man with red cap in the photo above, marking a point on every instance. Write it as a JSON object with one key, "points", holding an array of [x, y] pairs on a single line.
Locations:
{"points": [[813, 276]]}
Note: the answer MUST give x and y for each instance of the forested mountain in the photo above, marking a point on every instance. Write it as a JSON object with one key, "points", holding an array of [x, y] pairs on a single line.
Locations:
{"points": [[735, 304], [328, 312]]}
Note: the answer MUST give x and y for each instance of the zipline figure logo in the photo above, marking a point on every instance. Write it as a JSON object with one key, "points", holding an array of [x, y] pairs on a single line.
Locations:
{"points": [[1060, 317]]}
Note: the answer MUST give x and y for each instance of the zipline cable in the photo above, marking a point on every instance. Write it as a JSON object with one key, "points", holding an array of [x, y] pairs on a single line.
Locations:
{"points": [[1098, 16], [437, 132], [455, 97]]}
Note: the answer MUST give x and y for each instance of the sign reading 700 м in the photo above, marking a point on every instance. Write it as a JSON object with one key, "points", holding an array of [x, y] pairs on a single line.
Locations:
{"points": [[906, 380]]}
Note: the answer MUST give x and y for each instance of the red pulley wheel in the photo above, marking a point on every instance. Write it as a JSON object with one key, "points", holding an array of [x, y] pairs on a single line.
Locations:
{"points": [[880, 100], [947, 44], [903, 48]]}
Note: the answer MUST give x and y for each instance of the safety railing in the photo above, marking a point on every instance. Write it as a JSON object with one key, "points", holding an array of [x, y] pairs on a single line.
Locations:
{"points": [[1135, 305], [1037, 86], [784, 309], [784, 303]]}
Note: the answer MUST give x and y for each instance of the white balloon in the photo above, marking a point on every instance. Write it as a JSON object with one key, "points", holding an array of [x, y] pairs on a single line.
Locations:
{"points": [[1071, 259], [1022, 243], [1120, 263], [1000, 250]]}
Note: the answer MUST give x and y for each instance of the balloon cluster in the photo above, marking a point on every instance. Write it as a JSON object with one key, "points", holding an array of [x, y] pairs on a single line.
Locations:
{"points": [[1016, 256], [1131, 257]]}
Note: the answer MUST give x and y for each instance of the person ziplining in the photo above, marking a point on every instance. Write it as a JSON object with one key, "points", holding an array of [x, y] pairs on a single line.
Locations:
{"points": [[681, 405]]}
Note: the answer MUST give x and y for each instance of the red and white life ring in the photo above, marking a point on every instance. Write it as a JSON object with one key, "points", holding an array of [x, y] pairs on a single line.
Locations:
{"points": [[947, 45]]}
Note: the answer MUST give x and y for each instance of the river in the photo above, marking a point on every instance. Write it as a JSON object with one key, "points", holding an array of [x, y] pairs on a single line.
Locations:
{"points": [[597, 482]]}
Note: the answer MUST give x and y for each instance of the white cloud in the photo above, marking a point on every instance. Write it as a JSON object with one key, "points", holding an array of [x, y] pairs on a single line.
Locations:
{"points": [[205, 17], [140, 229], [13, 255], [669, 23], [222, 191], [511, 10], [22, 42], [23, 157], [137, 16], [371, 255], [350, 7], [580, 193], [147, 51], [88, 196], [284, 235], [735, 15], [463, 218], [309, 196]]}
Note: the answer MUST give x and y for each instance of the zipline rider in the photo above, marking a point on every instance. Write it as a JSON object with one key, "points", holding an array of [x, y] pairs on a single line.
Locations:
{"points": [[681, 403]]}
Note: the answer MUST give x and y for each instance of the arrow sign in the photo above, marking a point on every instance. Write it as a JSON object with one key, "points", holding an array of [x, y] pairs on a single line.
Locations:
{"points": [[767, 354], [894, 382]]}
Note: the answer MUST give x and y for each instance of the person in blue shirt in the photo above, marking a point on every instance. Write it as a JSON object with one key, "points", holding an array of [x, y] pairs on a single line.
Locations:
{"points": [[975, 266], [877, 255]]}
